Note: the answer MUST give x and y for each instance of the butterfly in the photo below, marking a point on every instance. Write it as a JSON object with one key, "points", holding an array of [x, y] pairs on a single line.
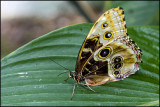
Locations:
{"points": [[107, 54]]}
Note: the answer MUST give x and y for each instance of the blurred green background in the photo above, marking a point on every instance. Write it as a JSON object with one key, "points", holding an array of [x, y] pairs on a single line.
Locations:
{"points": [[30, 78], [23, 21]]}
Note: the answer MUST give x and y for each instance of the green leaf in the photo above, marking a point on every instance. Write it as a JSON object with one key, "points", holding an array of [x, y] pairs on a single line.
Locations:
{"points": [[29, 77], [138, 12]]}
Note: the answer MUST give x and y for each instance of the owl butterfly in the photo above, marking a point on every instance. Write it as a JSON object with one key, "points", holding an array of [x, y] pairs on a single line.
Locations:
{"points": [[107, 53]]}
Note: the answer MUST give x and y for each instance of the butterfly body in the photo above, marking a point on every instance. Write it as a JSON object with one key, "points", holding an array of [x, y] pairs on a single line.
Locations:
{"points": [[107, 54]]}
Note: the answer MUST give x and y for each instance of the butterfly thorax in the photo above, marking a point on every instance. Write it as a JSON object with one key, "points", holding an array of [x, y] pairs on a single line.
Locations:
{"points": [[76, 77]]}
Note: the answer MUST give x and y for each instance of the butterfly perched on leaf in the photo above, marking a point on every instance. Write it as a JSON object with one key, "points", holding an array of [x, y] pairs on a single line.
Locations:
{"points": [[107, 54]]}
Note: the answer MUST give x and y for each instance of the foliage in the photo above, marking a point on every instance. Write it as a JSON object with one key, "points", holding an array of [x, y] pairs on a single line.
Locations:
{"points": [[30, 78]]}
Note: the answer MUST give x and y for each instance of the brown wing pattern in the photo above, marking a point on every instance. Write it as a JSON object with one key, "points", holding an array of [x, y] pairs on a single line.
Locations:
{"points": [[107, 69]]}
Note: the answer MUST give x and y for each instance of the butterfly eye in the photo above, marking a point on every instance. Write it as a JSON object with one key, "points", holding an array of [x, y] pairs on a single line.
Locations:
{"points": [[104, 25], [117, 59], [104, 52], [71, 75], [115, 73], [108, 35]]}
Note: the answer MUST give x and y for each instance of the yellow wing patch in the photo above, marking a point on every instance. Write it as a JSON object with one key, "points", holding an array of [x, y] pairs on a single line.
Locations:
{"points": [[111, 21]]}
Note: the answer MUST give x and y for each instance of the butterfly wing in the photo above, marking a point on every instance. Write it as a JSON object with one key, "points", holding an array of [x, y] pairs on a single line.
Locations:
{"points": [[114, 61], [108, 27]]}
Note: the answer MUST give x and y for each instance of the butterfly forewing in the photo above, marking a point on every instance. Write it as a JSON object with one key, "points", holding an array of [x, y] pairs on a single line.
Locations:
{"points": [[108, 27]]}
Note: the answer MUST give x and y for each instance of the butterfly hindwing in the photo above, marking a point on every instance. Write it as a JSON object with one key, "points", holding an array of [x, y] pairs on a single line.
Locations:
{"points": [[121, 60]]}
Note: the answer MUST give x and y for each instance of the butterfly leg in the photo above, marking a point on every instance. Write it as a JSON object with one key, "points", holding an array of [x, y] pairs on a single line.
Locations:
{"points": [[63, 73], [73, 90], [88, 87], [66, 78]]}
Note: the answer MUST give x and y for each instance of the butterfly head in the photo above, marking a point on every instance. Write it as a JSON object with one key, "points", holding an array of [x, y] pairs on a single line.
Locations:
{"points": [[71, 75], [76, 77]]}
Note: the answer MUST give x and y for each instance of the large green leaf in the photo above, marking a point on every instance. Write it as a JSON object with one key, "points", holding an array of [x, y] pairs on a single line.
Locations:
{"points": [[29, 77], [138, 12]]}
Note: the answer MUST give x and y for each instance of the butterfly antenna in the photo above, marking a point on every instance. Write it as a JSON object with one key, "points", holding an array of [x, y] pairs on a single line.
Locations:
{"points": [[63, 73], [62, 67]]}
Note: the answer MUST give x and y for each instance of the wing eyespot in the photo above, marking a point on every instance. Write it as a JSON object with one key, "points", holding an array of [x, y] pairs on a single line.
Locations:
{"points": [[104, 25], [117, 65], [117, 59], [104, 53], [116, 73], [108, 35], [117, 62]]}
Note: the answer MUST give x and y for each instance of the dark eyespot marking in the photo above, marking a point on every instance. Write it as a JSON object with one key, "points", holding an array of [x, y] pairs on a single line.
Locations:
{"points": [[104, 52], [116, 60], [104, 25], [108, 35], [117, 66], [116, 73]]}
